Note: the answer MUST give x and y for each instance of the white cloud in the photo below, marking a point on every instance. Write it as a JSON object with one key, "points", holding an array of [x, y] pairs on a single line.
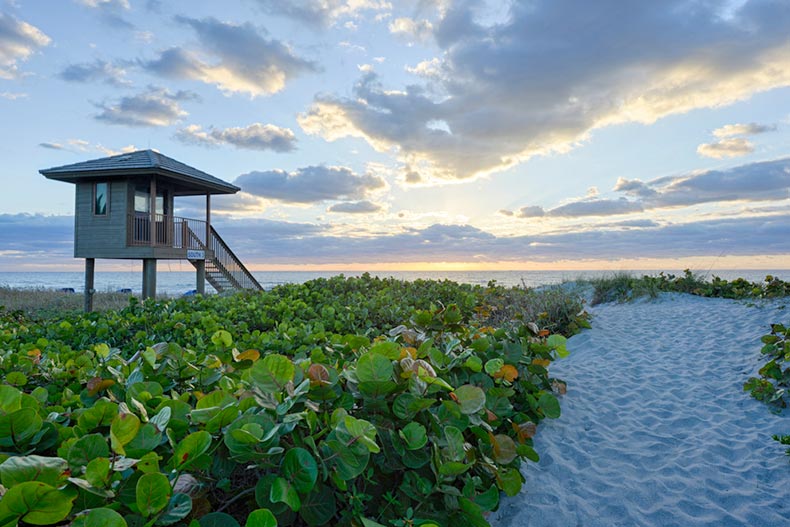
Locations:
{"points": [[310, 184], [322, 12], [729, 147], [540, 81], [12, 96], [244, 60], [122, 4], [18, 41], [412, 30], [256, 136], [153, 107]]}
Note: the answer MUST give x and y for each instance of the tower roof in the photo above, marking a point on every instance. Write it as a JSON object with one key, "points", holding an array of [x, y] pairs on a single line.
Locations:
{"points": [[188, 180]]}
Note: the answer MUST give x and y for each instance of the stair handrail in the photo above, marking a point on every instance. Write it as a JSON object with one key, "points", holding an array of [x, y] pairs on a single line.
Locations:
{"points": [[224, 256]]}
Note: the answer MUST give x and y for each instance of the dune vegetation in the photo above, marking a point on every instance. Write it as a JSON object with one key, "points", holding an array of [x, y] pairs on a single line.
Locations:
{"points": [[360, 402]]}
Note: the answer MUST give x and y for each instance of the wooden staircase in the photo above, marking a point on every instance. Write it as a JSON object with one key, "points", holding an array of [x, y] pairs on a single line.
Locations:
{"points": [[224, 270]]}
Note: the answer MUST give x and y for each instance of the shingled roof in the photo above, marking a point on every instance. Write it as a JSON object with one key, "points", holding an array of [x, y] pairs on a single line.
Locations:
{"points": [[143, 162]]}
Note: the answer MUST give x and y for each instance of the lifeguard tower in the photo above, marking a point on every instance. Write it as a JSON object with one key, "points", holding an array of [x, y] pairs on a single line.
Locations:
{"points": [[124, 210]]}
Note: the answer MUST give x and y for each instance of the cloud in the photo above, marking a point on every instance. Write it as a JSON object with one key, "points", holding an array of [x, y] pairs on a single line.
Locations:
{"points": [[412, 30], [244, 61], [22, 237], [540, 80], [730, 147], [18, 41], [96, 71], [729, 143], [355, 207], [310, 184], [153, 107], [533, 211], [256, 136], [101, 4], [322, 12], [12, 96], [730, 130], [760, 181], [80, 145]]}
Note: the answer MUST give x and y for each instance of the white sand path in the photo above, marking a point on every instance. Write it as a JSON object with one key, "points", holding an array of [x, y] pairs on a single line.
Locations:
{"points": [[656, 429]]}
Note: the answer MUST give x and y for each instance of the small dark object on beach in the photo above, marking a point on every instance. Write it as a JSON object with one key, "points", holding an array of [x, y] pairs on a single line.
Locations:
{"points": [[125, 290], [66, 290], [191, 292]]}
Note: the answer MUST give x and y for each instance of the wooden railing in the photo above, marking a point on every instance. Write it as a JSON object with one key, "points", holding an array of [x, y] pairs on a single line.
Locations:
{"points": [[168, 231], [229, 264]]}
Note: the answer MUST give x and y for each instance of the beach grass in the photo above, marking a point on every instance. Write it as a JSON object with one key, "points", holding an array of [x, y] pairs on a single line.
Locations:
{"points": [[51, 303], [622, 287]]}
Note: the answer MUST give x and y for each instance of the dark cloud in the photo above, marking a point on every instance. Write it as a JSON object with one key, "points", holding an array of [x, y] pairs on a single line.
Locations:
{"points": [[244, 61], [278, 242], [256, 136], [596, 207], [730, 130], [310, 184], [96, 71], [355, 207], [52, 146], [153, 107], [18, 41], [533, 211], [761, 181], [542, 79]]}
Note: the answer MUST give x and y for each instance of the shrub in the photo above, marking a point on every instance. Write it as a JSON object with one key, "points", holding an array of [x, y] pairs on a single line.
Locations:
{"points": [[337, 402]]}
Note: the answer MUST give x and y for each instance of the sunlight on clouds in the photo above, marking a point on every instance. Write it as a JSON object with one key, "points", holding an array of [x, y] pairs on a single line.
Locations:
{"points": [[730, 147], [18, 41]]}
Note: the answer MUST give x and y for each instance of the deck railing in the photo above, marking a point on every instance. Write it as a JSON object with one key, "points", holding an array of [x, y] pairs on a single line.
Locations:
{"points": [[169, 231], [226, 261]]}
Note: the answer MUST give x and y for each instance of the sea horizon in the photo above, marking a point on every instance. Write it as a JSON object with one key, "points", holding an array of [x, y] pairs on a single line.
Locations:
{"points": [[179, 282]]}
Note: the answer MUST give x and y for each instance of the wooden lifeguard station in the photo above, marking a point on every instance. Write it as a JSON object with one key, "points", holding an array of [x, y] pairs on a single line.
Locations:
{"points": [[124, 210]]}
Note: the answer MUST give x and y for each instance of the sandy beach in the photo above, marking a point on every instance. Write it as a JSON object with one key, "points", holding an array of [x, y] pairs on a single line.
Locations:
{"points": [[656, 429]]}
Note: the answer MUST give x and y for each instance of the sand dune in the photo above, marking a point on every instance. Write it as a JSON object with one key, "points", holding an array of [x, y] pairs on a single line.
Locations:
{"points": [[656, 429]]}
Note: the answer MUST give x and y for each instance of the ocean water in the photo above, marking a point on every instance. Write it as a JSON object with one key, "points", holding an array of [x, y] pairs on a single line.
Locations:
{"points": [[175, 283]]}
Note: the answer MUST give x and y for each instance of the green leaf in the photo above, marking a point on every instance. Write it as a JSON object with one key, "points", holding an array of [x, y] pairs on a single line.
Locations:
{"points": [[471, 398], [372, 367], [122, 430], [494, 365], [349, 463], [218, 519], [10, 399], [318, 507], [18, 469], [300, 468], [454, 468], [161, 419], [178, 508], [192, 446], [87, 448], [102, 517], [474, 363], [261, 518], [510, 481], [16, 378], [414, 435], [36, 503], [222, 338], [455, 443], [273, 372], [360, 431], [488, 500], [18, 427], [549, 405], [152, 493], [283, 491], [98, 471]]}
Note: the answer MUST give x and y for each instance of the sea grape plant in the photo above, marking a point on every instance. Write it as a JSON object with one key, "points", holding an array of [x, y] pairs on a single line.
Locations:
{"points": [[425, 423]]}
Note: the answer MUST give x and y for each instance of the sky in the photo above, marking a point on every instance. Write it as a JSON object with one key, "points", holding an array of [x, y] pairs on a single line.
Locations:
{"points": [[415, 134]]}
